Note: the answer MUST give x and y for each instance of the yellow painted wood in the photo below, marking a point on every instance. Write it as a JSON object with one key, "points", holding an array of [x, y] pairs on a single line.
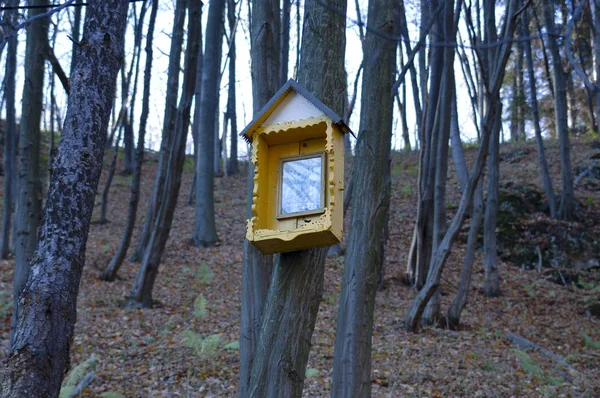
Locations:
{"points": [[269, 144]]}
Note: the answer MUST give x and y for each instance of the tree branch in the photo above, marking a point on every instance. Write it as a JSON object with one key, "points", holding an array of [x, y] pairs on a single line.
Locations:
{"points": [[57, 68]]}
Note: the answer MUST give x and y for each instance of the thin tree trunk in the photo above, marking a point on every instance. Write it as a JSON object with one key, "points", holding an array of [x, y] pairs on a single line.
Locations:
{"points": [[440, 153], [141, 293], [196, 121], [172, 90], [491, 283], [232, 165], [297, 285], [29, 179], [205, 231], [352, 361], [110, 273], [257, 267], [284, 54], [494, 78], [460, 300], [111, 174], [45, 319], [10, 140], [536, 118], [566, 210]]}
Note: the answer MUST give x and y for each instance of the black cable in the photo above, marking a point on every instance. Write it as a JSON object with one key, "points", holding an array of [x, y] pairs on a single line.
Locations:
{"points": [[32, 7]]}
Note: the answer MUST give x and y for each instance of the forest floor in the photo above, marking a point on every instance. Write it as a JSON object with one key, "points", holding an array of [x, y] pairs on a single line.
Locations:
{"points": [[146, 353]]}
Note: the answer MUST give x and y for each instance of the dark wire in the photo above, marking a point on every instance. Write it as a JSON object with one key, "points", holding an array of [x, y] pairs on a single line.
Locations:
{"points": [[33, 7]]}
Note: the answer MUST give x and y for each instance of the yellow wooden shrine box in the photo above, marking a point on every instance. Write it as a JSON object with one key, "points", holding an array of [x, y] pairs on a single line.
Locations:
{"points": [[298, 154]]}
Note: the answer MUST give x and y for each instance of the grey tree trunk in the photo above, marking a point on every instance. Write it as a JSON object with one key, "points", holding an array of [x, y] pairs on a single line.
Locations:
{"points": [[352, 361], [111, 174], [566, 210], [595, 6], [205, 231], [10, 139], [196, 121], [284, 54], [439, 154], [45, 318], [141, 293], [491, 283], [110, 273], [536, 117], [494, 79], [232, 163], [28, 210], [256, 267], [297, 285], [75, 33], [174, 69]]}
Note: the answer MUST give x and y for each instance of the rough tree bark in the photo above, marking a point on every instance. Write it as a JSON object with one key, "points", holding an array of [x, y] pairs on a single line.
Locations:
{"points": [[174, 69], [10, 135], [28, 209], [297, 284], [110, 273], [141, 293], [45, 318], [205, 231], [352, 361], [257, 267]]}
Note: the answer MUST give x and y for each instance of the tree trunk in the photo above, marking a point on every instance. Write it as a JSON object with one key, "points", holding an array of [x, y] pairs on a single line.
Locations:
{"points": [[75, 33], [196, 121], [297, 285], [205, 231], [459, 302], [174, 69], [494, 79], [111, 174], [10, 139], [232, 164], [443, 113], [257, 267], [566, 209], [110, 273], [352, 361], [284, 54], [491, 284], [45, 318], [29, 179], [141, 293], [536, 118]]}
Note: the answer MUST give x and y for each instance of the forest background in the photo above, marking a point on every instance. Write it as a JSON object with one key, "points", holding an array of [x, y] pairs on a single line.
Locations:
{"points": [[516, 79]]}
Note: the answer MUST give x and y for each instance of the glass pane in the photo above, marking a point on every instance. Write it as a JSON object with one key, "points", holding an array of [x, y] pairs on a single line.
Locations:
{"points": [[301, 185]]}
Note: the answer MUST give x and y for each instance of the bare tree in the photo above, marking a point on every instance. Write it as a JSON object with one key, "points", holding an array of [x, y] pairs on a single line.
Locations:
{"points": [[297, 285], [493, 82], [566, 209], [232, 164], [10, 133], [141, 293], [352, 362], [28, 210], [205, 231], [45, 318], [172, 91], [110, 273], [257, 267], [536, 116]]}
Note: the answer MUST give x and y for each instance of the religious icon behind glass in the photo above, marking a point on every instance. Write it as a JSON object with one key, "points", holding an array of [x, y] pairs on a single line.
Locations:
{"points": [[298, 157], [301, 183]]}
